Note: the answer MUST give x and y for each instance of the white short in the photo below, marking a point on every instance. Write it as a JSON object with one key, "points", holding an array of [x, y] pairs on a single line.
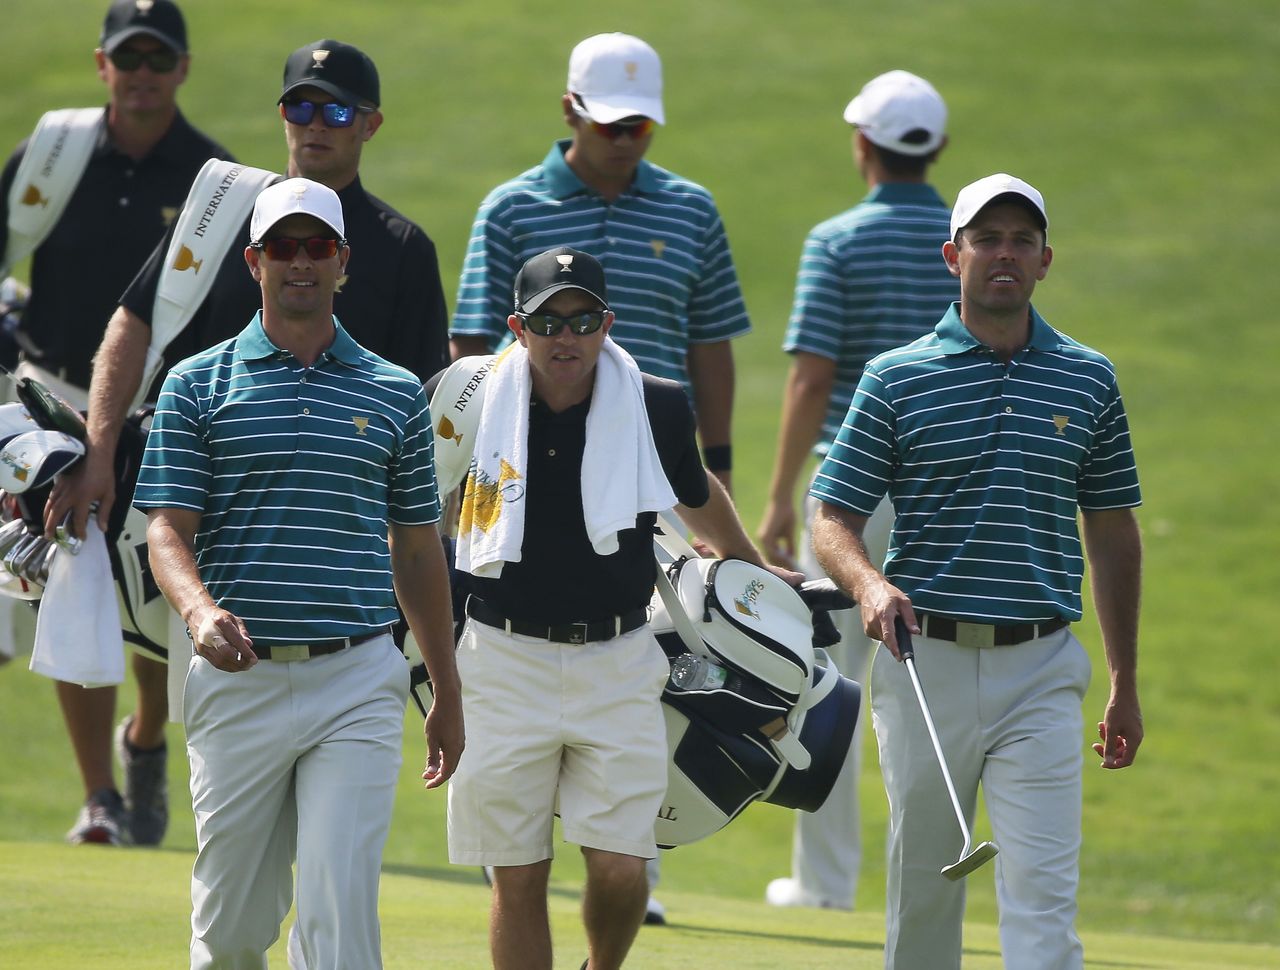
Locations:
{"points": [[573, 729]]}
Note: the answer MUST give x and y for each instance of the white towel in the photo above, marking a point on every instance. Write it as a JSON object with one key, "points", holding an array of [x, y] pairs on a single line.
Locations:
{"points": [[621, 473], [78, 636]]}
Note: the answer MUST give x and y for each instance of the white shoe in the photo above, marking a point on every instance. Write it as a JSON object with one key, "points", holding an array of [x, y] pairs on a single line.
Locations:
{"points": [[788, 892], [655, 914]]}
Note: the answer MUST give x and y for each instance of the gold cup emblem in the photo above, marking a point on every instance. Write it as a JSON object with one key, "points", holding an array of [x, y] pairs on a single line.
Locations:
{"points": [[33, 197], [361, 424], [1060, 421], [186, 260], [631, 67], [447, 430], [659, 247]]}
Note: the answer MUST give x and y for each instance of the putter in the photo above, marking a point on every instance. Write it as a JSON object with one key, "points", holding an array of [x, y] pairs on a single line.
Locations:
{"points": [[984, 853]]}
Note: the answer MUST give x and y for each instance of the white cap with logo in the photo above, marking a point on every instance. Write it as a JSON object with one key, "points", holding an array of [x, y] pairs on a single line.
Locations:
{"points": [[617, 76], [976, 196], [896, 104], [296, 196]]}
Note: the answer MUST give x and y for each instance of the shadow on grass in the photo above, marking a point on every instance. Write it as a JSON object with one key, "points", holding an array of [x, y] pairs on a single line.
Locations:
{"points": [[704, 930], [455, 874]]}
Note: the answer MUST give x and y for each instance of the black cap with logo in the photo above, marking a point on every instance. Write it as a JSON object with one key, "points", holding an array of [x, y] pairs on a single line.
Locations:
{"points": [[558, 269], [336, 68], [160, 19]]}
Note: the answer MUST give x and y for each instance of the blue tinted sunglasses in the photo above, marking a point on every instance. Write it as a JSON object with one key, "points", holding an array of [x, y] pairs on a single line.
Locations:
{"points": [[335, 115]]}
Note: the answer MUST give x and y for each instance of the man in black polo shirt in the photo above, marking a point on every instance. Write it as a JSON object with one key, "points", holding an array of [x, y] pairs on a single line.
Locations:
{"points": [[390, 300], [133, 185], [575, 453]]}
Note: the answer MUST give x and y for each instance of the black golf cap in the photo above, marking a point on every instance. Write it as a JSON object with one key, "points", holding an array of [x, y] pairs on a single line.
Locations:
{"points": [[336, 68], [558, 269], [160, 19]]}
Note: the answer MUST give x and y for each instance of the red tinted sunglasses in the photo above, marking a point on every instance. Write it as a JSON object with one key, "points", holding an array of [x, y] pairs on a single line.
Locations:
{"points": [[284, 248], [636, 127]]}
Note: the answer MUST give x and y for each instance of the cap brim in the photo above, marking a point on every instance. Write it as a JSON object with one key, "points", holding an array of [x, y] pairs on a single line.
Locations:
{"points": [[342, 94], [115, 40], [532, 304], [608, 110]]}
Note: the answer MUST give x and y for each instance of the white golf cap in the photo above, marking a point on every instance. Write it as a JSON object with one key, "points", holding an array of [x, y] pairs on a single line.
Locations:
{"points": [[617, 76], [295, 197], [976, 196], [896, 105]]}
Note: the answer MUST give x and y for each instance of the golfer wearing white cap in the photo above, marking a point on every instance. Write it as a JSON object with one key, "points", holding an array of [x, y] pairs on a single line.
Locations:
{"points": [[870, 279], [658, 235], [991, 434], [289, 487]]}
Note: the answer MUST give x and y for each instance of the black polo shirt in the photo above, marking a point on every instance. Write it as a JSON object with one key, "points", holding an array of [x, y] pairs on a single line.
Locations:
{"points": [[391, 300], [119, 209], [560, 577]]}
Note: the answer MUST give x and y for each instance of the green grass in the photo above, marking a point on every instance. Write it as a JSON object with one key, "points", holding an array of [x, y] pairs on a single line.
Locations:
{"points": [[1149, 126]]}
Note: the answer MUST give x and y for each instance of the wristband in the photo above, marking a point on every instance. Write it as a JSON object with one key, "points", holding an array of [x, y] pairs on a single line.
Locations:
{"points": [[718, 458]]}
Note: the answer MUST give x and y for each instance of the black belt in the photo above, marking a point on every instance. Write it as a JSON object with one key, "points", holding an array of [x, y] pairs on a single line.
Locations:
{"points": [[316, 648], [615, 626], [965, 633]]}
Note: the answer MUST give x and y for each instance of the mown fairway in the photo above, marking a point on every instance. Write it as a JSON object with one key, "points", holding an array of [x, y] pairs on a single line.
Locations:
{"points": [[1150, 128]]}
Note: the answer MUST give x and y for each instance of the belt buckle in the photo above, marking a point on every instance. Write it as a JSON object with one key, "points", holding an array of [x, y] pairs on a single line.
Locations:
{"points": [[291, 651], [578, 633], [975, 635]]}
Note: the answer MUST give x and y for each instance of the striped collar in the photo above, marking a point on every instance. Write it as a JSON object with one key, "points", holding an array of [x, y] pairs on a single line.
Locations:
{"points": [[562, 182], [254, 344], [955, 337]]}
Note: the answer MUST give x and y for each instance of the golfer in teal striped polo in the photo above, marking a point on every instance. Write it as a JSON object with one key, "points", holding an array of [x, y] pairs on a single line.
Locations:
{"points": [[291, 495], [989, 435]]}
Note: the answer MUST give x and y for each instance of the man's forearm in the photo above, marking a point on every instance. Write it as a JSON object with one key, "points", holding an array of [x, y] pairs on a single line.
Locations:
{"points": [[421, 579], [118, 368], [717, 524], [1114, 546]]}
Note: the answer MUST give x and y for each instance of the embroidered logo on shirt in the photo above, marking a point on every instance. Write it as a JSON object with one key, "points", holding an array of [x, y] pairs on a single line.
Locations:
{"points": [[1060, 421], [659, 246], [33, 197], [361, 424], [342, 281], [168, 213], [186, 260]]}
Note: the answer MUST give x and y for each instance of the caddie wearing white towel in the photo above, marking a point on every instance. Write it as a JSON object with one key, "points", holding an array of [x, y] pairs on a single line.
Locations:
{"points": [[575, 453]]}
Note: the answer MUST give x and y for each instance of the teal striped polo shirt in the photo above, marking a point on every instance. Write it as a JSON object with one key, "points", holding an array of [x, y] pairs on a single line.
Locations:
{"points": [[870, 279], [986, 464], [295, 471], [663, 247]]}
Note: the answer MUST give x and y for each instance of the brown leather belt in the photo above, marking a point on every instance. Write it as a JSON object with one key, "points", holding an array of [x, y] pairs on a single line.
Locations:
{"points": [[967, 634], [316, 648], [615, 626]]}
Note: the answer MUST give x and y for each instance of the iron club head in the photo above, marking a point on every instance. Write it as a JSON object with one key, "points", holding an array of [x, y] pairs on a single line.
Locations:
{"points": [[980, 856]]}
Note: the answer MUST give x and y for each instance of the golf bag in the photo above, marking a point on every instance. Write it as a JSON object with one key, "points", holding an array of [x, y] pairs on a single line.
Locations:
{"points": [[774, 721], [41, 437]]}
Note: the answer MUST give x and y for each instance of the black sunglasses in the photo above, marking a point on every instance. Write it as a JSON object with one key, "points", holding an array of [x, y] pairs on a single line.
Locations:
{"points": [[283, 248], [548, 324], [335, 115], [162, 60]]}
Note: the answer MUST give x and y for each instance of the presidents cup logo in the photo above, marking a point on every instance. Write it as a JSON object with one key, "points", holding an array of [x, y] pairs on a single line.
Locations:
{"points": [[659, 247], [21, 469], [447, 430], [299, 189], [33, 197], [631, 67], [484, 497], [565, 260], [1060, 421], [745, 604], [318, 57], [144, 6], [362, 425], [186, 260], [168, 213]]}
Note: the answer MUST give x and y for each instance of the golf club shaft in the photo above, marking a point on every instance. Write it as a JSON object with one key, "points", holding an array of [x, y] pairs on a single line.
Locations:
{"points": [[908, 657]]}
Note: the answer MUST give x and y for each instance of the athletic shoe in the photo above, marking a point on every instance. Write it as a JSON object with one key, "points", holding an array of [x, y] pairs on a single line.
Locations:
{"points": [[788, 892], [101, 820], [146, 787], [655, 914]]}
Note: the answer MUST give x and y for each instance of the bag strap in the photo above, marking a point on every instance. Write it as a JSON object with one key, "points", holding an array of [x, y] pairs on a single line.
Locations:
{"points": [[55, 159], [220, 199]]}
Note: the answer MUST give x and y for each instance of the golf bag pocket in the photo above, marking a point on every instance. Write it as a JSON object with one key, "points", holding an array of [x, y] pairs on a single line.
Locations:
{"points": [[750, 620]]}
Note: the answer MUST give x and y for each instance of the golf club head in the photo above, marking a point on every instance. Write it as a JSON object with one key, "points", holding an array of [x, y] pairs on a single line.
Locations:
{"points": [[980, 856]]}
